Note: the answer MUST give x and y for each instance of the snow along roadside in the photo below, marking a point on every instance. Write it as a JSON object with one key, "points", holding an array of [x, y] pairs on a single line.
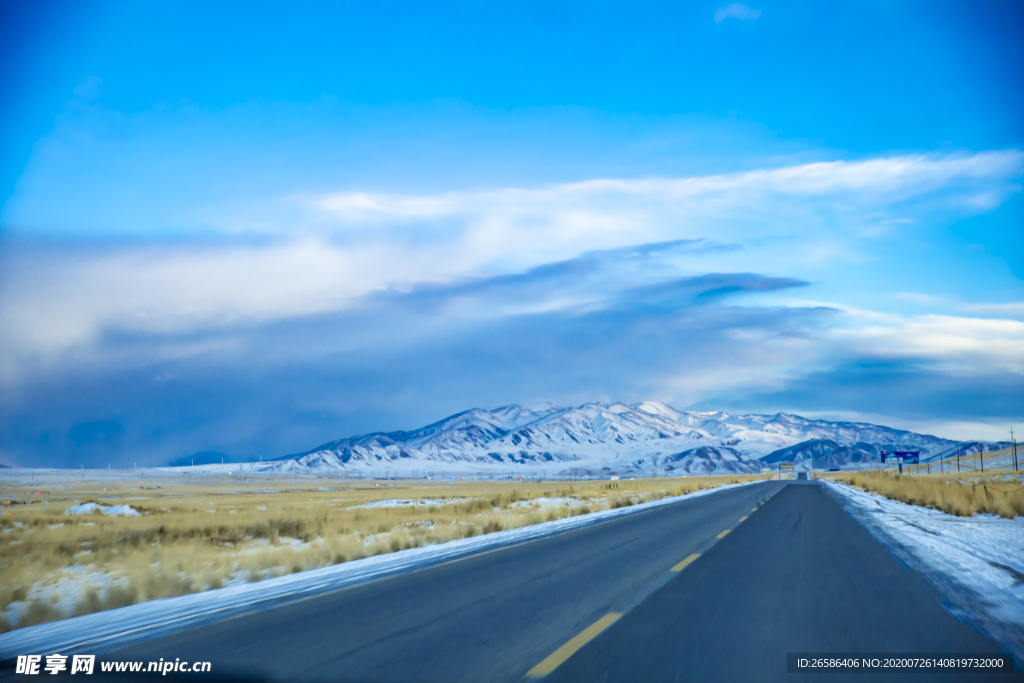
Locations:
{"points": [[112, 629], [976, 564]]}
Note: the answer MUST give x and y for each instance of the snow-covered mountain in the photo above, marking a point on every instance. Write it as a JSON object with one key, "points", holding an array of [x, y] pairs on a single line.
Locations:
{"points": [[594, 439], [827, 454]]}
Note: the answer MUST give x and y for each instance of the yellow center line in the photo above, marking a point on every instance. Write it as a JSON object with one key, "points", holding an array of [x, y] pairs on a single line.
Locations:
{"points": [[682, 565], [722, 535], [743, 518], [754, 510], [563, 653]]}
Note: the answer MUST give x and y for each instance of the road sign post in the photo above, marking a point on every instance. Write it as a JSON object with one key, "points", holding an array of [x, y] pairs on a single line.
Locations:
{"points": [[902, 457], [785, 467]]}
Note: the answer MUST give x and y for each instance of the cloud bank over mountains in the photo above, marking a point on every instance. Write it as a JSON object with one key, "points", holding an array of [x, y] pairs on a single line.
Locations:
{"points": [[701, 290]]}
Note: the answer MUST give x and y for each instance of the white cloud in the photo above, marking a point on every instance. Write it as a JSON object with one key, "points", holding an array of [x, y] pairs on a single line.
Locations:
{"points": [[959, 344], [829, 206], [979, 180], [998, 343], [54, 302], [1010, 310], [365, 205], [362, 242], [736, 10]]}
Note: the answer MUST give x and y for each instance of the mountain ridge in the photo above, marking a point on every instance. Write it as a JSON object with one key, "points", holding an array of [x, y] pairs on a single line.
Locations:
{"points": [[648, 437]]}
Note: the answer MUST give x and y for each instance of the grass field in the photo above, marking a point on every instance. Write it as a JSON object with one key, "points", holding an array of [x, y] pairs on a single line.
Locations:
{"points": [[213, 531], [965, 494]]}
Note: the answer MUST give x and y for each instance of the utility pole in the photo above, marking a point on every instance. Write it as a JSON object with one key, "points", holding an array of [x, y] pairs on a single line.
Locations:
{"points": [[981, 452], [1013, 445], [958, 460]]}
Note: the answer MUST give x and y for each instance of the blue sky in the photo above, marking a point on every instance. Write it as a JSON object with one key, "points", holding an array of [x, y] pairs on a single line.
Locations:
{"points": [[257, 227]]}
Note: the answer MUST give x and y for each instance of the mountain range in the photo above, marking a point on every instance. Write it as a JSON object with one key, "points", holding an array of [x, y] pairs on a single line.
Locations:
{"points": [[606, 439]]}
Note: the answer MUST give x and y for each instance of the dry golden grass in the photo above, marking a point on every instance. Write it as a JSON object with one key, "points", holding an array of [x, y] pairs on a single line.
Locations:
{"points": [[198, 536], [962, 496]]}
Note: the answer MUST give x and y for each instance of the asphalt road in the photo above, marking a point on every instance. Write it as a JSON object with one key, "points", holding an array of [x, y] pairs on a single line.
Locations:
{"points": [[794, 574], [798, 576]]}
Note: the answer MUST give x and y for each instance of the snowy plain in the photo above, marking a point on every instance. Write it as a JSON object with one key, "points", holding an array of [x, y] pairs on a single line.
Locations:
{"points": [[105, 631], [975, 564]]}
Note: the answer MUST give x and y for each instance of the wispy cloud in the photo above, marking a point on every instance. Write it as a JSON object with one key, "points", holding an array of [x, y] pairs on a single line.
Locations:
{"points": [[514, 227], [886, 179], [1010, 310], [736, 10], [961, 344]]}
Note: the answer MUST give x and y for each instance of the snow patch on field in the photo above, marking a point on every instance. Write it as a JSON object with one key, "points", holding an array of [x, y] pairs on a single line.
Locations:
{"points": [[555, 502], [68, 589], [410, 503], [112, 510], [975, 563]]}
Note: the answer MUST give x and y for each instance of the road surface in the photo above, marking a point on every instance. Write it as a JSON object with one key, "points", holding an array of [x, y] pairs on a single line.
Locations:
{"points": [[719, 588]]}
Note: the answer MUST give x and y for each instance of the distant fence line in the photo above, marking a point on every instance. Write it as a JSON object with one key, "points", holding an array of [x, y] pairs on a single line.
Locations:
{"points": [[975, 461]]}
